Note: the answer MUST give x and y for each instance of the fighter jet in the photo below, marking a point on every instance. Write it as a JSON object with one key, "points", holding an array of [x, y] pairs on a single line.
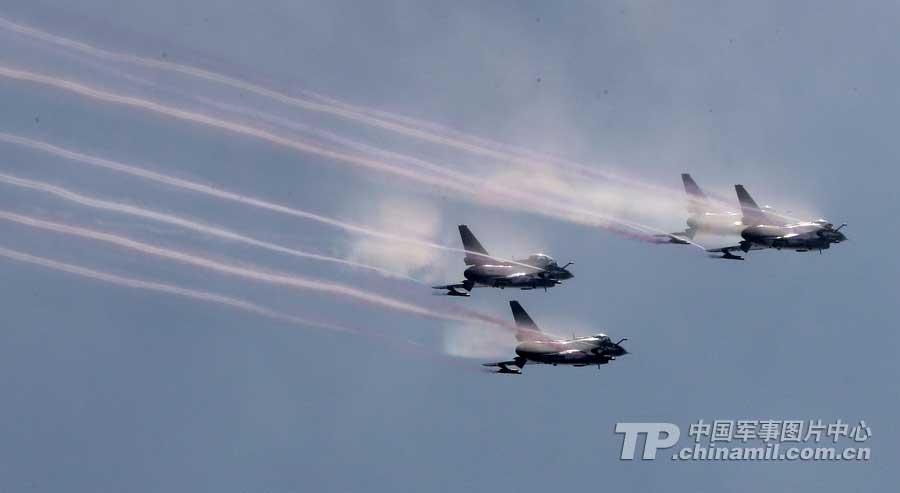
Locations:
{"points": [[536, 271], [765, 231], [536, 347], [703, 216]]}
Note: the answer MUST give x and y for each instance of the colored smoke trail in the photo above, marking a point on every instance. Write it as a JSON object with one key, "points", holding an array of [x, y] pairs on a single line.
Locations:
{"points": [[476, 187], [211, 121], [231, 302], [551, 209], [325, 105], [249, 131], [402, 125], [184, 223], [554, 203], [256, 274], [152, 106], [213, 191], [172, 289], [221, 194]]}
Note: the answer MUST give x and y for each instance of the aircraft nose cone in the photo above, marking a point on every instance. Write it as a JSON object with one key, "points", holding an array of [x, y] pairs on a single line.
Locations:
{"points": [[565, 274], [616, 351]]}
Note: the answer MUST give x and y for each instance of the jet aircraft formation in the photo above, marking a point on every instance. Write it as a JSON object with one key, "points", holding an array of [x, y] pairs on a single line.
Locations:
{"points": [[759, 227]]}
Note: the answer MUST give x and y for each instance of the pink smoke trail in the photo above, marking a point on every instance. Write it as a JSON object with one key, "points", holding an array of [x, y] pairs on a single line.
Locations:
{"points": [[536, 201], [428, 132], [236, 303], [203, 119], [172, 289], [219, 193], [184, 223], [279, 279], [152, 106], [212, 191], [238, 128]]}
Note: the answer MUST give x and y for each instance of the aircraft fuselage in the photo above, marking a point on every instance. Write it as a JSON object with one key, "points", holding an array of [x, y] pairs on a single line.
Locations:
{"points": [[578, 352], [514, 276], [801, 237]]}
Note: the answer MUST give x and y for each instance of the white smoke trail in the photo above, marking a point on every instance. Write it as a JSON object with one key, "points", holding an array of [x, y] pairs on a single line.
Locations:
{"points": [[483, 189], [236, 303], [336, 109], [550, 208], [248, 272], [406, 126], [211, 121], [222, 194], [473, 341], [322, 106], [172, 289], [204, 119], [212, 191], [536, 191], [184, 223], [425, 131]]}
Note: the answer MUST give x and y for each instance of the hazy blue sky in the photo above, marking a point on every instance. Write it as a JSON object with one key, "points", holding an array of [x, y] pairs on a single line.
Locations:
{"points": [[112, 389]]}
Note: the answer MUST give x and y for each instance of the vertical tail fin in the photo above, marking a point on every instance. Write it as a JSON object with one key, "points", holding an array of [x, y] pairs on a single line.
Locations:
{"points": [[697, 200], [526, 329], [471, 244], [753, 215]]}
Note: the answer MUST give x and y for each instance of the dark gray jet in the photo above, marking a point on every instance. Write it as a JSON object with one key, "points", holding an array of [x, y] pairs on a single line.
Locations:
{"points": [[703, 216], [765, 231], [536, 347], [536, 271]]}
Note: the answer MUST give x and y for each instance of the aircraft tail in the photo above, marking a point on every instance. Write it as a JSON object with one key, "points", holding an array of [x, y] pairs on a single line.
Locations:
{"points": [[753, 215], [526, 329], [697, 200], [473, 246]]}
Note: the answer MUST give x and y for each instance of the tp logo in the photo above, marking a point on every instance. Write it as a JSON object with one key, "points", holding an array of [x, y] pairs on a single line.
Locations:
{"points": [[659, 435]]}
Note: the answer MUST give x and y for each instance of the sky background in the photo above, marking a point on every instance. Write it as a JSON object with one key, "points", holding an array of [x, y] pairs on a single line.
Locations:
{"points": [[106, 388]]}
